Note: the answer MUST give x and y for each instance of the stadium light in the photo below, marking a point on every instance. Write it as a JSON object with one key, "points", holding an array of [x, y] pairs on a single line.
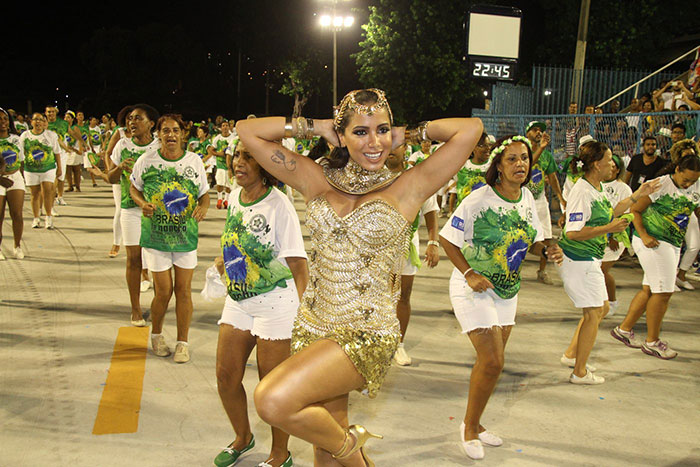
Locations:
{"points": [[325, 21]]}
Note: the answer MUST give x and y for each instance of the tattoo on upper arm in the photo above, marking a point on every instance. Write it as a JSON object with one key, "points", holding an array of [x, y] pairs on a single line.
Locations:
{"points": [[278, 157]]}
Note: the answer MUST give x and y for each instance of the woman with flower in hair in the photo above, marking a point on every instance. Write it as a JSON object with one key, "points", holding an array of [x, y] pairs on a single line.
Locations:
{"points": [[682, 148], [661, 222], [590, 218], [487, 239], [346, 330]]}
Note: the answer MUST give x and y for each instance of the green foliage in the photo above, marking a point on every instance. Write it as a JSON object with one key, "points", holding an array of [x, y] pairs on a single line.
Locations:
{"points": [[413, 50], [301, 78]]}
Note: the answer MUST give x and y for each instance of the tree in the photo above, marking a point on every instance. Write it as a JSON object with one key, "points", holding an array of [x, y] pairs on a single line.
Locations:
{"points": [[302, 78], [413, 50]]}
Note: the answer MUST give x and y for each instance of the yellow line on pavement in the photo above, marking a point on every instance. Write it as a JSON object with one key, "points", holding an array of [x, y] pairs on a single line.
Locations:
{"points": [[121, 399]]}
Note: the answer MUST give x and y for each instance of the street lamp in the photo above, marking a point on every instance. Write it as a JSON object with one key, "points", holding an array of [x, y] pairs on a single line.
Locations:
{"points": [[337, 23]]}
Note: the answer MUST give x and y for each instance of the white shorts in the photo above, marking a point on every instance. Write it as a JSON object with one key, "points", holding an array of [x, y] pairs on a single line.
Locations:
{"points": [[584, 282], [268, 316], [481, 310], [64, 162], [74, 159], [542, 206], [659, 265], [610, 255], [37, 178], [408, 268], [159, 261], [131, 226], [222, 177], [17, 183]]}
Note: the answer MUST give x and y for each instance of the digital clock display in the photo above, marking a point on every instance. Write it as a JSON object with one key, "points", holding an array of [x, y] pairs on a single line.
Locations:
{"points": [[493, 70]]}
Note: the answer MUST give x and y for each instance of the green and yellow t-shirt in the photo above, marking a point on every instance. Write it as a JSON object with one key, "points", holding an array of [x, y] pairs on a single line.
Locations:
{"points": [[39, 150], [174, 187], [470, 177], [11, 150], [587, 206], [126, 148], [494, 235], [666, 219], [257, 238], [545, 165], [223, 143]]}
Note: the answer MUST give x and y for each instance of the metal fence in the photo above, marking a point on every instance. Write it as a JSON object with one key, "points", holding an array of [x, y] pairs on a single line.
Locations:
{"points": [[623, 133], [551, 89]]}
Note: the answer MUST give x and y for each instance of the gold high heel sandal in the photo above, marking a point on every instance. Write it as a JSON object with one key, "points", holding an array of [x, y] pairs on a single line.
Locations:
{"points": [[361, 436]]}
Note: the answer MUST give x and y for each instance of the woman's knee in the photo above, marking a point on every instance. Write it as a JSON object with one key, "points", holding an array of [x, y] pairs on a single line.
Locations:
{"points": [[492, 363], [228, 377], [272, 402]]}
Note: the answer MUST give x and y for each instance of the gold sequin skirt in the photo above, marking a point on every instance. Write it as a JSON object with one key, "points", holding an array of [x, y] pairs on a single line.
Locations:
{"points": [[370, 352]]}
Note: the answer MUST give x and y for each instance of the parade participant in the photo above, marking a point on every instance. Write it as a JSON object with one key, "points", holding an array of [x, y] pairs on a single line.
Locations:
{"points": [[60, 127], [141, 121], [199, 145], [264, 268], [429, 211], [76, 148], [660, 221], [543, 165], [471, 176], [590, 217], [169, 185], [20, 125], [616, 190], [93, 155], [109, 145], [679, 150], [347, 331], [11, 180], [487, 239], [42, 165], [219, 145]]}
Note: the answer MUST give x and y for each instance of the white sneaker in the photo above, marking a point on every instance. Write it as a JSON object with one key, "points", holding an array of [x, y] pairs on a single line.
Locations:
{"points": [[612, 309], [590, 378], [676, 288], [49, 223], [182, 353], [489, 439], [685, 284], [36, 223], [54, 213], [61, 201], [2, 257], [159, 346], [19, 254], [473, 447], [145, 285], [401, 357], [571, 362], [659, 349]]}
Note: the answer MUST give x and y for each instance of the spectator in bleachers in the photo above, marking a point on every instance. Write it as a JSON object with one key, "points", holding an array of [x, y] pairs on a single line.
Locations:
{"points": [[644, 166], [677, 134], [572, 130], [615, 107]]}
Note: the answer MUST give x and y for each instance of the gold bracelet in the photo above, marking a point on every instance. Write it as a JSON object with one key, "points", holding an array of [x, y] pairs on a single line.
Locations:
{"points": [[288, 127], [300, 128], [418, 134]]}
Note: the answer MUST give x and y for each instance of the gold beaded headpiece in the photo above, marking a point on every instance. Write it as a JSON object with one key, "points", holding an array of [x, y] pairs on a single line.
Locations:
{"points": [[349, 102]]}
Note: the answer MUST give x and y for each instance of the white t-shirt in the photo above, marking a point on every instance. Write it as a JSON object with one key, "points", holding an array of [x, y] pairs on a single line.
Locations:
{"points": [[173, 186], [616, 191], [668, 216], [256, 240], [39, 150], [586, 207], [125, 149], [495, 234]]}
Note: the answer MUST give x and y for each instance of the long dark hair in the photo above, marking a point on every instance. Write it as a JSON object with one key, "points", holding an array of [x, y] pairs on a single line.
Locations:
{"points": [[320, 149], [339, 155], [492, 172], [12, 130], [688, 162]]}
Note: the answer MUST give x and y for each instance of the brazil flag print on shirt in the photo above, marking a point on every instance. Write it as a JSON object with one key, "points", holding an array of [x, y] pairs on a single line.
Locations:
{"points": [[222, 143], [10, 151], [545, 165], [39, 151], [666, 218], [251, 264], [173, 187], [59, 126], [494, 235], [586, 207], [125, 149], [470, 177]]}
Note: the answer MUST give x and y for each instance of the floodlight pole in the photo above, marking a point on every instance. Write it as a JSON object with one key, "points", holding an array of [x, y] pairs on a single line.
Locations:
{"points": [[580, 58], [335, 66]]}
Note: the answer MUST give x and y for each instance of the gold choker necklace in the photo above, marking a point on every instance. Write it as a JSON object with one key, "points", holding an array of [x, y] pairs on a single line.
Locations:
{"points": [[355, 180]]}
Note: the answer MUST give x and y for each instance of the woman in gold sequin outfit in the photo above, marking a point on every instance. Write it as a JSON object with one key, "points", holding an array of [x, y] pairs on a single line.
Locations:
{"points": [[346, 330]]}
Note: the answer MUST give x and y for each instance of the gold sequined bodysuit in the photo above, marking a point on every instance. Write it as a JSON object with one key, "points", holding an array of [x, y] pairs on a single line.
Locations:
{"points": [[354, 284]]}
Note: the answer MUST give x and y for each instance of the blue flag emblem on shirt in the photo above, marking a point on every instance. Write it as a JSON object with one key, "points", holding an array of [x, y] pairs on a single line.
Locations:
{"points": [[575, 217], [458, 223]]}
